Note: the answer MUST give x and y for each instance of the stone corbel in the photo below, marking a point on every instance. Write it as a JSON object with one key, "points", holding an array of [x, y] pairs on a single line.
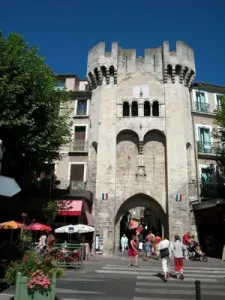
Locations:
{"points": [[141, 171]]}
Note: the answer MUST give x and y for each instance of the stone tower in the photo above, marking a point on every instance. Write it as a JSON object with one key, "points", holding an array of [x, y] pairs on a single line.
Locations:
{"points": [[141, 136]]}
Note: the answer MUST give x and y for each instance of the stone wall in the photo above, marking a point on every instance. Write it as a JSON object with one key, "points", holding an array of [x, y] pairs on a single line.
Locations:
{"points": [[141, 161]]}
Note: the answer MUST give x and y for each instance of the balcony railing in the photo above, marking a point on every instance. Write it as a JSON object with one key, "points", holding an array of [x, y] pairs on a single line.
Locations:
{"points": [[208, 147], [73, 185], [202, 107], [79, 146], [81, 112]]}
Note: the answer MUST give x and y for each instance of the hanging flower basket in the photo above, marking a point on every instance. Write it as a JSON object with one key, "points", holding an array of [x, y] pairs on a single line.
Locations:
{"points": [[38, 287]]}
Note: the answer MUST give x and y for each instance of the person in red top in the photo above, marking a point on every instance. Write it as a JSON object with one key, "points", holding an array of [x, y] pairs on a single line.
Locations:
{"points": [[157, 241], [132, 251], [185, 239]]}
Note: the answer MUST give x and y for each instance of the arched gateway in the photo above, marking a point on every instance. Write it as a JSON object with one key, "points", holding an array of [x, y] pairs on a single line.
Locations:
{"points": [[140, 200]]}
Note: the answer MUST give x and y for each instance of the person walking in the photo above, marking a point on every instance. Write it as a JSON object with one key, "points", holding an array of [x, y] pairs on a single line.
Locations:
{"points": [[151, 239], [132, 251], [179, 252], [124, 243], [165, 251]]}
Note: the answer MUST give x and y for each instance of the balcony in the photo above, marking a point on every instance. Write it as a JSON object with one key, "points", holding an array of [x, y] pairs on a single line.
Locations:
{"points": [[72, 185], [201, 107], [208, 148], [79, 146], [82, 112]]}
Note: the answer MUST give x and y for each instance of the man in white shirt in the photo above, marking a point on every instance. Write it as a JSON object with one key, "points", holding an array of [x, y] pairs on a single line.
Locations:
{"points": [[124, 243], [165, 250]]}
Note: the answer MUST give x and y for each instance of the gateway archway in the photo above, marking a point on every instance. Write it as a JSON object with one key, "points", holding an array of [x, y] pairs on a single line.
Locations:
{"points": [[145, 203]]}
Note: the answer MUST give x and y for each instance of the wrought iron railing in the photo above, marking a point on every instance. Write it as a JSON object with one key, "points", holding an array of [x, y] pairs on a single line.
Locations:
{"points": [[212, 190], [202, 107], [72, 184], [79, 146], [208, 147], [81, 112]]}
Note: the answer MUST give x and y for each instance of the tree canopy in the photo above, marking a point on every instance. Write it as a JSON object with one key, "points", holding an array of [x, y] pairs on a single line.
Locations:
{"points": [[33, 127], [219, 135]]}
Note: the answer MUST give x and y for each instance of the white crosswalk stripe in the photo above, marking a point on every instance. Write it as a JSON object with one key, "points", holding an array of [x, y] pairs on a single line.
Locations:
{"points": [[149, 285]]}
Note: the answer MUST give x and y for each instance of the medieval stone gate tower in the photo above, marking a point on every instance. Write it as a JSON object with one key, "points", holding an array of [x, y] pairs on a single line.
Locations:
{"points": [[141, 135]]}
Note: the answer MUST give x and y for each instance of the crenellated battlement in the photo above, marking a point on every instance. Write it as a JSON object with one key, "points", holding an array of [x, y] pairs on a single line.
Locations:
{"points": [[178, 64], [172, 66]]}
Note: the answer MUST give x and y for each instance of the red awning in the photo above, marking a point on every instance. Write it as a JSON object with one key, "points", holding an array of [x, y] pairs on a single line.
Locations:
{"points": [[70, 207]]}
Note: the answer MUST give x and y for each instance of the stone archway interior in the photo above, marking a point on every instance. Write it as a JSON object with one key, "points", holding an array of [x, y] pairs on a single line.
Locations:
{"points": [[140, 200]]}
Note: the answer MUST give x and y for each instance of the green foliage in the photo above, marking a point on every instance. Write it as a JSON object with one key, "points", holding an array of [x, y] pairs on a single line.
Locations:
{"points": [[33, 126], [219, 135], [51, 211], [30, 263]]}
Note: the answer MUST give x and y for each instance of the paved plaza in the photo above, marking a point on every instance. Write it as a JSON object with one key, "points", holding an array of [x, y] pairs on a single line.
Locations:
{"points": [[111, 278]]}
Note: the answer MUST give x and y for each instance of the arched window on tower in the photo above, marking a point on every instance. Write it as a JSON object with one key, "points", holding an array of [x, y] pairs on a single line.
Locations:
{"points": [[155, 109], [134, 109], [147, 109], [126, 109]]}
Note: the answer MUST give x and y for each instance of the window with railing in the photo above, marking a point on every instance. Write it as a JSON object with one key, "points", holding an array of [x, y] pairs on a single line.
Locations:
{"points": [[204, 140], [218, 101], [79, 144], [81, 108], [201, 104], [77, 176]]}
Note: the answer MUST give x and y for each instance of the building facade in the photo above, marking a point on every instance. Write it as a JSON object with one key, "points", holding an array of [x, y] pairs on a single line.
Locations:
{"points": [[141, 136]]}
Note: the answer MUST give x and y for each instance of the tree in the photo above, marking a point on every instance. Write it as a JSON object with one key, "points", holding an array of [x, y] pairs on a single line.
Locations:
{"points": [[219, 135], [34, 116]]}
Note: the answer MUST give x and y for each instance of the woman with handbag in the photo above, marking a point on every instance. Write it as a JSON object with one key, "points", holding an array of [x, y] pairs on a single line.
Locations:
{"points": [[165, 251]]}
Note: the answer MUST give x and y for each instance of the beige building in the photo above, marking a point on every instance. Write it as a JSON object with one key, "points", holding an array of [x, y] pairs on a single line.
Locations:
{"points": [[141, 136]]}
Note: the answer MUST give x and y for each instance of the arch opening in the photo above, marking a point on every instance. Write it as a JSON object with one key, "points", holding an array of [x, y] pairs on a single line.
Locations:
{"points": [[111, 71], [126, 109], [127, 136], [134, 109], [155, 109], [140, 209], [96, 76], [147, 109], [126, 156], [178, 70], [155, 136], [103, 70]]}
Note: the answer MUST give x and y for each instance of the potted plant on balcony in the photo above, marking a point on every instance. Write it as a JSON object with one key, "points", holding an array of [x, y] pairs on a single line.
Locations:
{"points": [[34, 277]]}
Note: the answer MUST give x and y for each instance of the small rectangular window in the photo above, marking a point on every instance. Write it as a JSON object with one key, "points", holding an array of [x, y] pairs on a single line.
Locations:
{"points": [[81, 107], [218, 101], [61, 85], [77, 172]]}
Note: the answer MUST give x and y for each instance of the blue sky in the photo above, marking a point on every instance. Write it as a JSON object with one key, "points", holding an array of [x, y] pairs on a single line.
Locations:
{"points": [[64, 31]]}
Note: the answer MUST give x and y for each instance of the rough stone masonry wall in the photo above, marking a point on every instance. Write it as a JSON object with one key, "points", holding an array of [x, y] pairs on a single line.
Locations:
{"points": [[117, 164]]}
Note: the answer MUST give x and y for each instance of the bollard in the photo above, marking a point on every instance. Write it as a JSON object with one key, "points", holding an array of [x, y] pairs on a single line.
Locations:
{"points": [[198, 290]]}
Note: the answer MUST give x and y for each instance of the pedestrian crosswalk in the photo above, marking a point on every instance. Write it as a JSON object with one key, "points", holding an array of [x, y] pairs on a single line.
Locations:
{"points": [[150, 284], [117, 282]]}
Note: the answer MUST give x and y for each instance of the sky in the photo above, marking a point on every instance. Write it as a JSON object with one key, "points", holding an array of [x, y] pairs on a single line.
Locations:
{"points": [[65, 30]]}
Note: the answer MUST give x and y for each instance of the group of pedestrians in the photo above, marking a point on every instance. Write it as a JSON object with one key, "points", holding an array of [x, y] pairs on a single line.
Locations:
{"points": [[163, 248]]}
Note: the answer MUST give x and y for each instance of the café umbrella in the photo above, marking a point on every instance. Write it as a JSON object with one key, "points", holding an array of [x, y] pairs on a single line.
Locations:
{"points": [[12, 225], [39, 227], [82, 228], [67, 229]]}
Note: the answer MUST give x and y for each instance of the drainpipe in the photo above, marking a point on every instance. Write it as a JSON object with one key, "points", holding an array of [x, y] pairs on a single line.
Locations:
{"points": [[195, 146]]}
